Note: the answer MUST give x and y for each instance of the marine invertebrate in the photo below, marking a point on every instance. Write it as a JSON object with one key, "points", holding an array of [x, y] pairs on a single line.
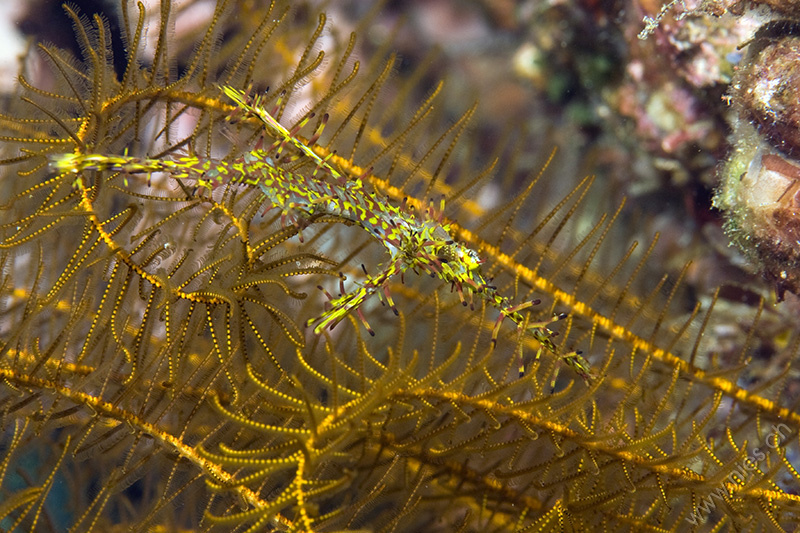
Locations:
{"points": [[758, 183], [152, 349], [757, 179]]}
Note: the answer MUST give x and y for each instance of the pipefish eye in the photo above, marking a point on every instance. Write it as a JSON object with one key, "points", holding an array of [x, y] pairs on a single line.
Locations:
{"points": [[468, 258]]}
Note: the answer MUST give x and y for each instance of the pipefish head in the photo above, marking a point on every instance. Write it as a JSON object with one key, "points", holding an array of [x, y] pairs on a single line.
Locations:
{"points": [[459, 258], [459, 264]]}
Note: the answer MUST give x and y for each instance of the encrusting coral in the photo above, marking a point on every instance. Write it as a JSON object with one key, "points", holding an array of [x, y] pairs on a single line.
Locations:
{"points": [[155, 360], [759, 180]]}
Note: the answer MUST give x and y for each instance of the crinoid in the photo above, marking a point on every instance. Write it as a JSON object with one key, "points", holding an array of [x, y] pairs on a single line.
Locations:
{"points": [[156, 359]]}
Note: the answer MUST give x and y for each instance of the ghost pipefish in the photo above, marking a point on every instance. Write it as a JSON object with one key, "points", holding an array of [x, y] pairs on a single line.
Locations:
{"points": [[418, 241]]}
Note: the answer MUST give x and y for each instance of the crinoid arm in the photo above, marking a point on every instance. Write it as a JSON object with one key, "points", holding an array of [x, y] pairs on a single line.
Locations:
{"points": [[155, 374]]}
